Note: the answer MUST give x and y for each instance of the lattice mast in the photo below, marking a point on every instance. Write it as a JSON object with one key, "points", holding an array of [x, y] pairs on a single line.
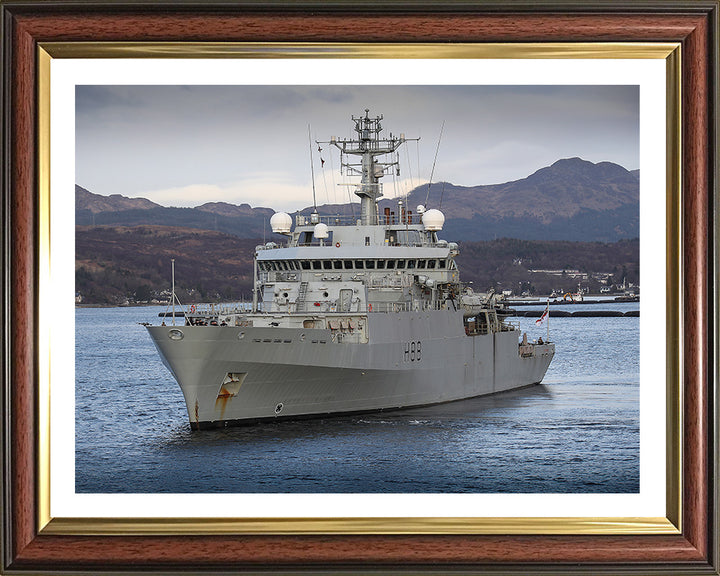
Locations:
{"points": [[369, 145]]}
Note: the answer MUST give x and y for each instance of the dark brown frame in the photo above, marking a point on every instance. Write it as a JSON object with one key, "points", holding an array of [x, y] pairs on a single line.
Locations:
{"points": [[694, 24]]}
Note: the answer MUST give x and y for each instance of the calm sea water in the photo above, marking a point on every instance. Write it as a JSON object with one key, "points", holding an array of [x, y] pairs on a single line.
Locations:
{"points": [[576, 432]]}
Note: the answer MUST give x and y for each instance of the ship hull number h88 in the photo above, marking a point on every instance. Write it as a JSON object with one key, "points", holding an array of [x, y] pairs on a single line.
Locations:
{"points": [[413, 351]]}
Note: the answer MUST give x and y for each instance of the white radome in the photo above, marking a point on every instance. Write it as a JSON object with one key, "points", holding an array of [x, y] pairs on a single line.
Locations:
{"points": [[433, 220], [280, 223], [320, 231], [420, 209]]}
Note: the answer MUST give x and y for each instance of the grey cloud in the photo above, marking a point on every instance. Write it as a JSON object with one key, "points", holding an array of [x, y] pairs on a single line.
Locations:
{"points": [[171, 136]]}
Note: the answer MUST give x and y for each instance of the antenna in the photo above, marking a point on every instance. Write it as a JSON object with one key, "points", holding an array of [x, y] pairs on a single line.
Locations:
{"points": [[172, 263], [312, 169], [368, 144], [437, 149]]}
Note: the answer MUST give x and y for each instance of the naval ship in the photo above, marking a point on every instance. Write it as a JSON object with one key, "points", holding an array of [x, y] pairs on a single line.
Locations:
{"points": [[349, 315]]}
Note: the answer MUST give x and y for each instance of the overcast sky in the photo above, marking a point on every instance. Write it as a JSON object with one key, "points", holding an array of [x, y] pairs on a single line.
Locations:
{"points": [[187, 145]]}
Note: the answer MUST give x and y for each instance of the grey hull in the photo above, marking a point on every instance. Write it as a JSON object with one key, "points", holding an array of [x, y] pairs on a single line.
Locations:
{"points": [[410, 359]]}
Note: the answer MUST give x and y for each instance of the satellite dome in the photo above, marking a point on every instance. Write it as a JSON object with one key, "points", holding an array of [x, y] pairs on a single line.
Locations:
{"points": [[420, 209], [433, 220], [280, 223], [321, 231]]}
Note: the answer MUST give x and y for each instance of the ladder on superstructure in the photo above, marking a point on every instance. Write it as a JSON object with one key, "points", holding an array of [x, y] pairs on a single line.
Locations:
{"points": [[300, 302]]}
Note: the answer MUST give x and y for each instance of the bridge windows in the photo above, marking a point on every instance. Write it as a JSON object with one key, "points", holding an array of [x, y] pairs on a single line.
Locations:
{"points": [[359, 264], [409, 237]]}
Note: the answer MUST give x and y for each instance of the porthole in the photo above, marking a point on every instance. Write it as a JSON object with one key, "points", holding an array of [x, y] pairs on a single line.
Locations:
{"points": [[175, 334], [302, 337], [241, 335]]}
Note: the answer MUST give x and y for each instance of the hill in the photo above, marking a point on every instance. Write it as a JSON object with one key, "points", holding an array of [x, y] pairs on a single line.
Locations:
{"points": [[86, 201], [563, 190], [118, 263], [97, 210], [115, 264], [539, 267], [572, 200]]}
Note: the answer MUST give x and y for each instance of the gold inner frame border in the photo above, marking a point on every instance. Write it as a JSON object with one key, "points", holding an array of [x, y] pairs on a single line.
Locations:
{"points": [[671, 524]]}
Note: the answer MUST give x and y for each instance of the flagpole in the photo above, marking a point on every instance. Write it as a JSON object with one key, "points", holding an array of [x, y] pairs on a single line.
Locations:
{"points": [[172, 262]]}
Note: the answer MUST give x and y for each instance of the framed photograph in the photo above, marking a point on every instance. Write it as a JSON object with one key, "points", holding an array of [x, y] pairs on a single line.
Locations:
{"points": [[75, 504]]}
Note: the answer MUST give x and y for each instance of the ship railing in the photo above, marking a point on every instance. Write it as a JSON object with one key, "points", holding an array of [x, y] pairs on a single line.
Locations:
{"points": [[221, 309], [510, 325], [390, 282], [282, 277], [390, 307], [387, 243], [337, 220]]}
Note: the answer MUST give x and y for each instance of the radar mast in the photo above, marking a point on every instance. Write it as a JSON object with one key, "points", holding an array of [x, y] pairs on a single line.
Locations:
{"points": [[368, 144]]}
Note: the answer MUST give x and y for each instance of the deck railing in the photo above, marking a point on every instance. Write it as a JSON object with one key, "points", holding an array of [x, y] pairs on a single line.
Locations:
{"points": [[221, 309], [229, 308], [388, 307]]}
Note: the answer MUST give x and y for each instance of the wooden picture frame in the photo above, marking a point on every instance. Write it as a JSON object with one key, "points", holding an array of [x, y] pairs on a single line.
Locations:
{"points": [[30, 545]]}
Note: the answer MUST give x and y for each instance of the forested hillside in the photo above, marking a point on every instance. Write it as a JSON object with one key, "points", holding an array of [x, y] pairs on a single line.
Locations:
{"points": [[119, 264]]}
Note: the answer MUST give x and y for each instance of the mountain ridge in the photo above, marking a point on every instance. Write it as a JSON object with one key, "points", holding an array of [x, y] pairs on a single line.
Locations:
{"points": [[561, 190], [95, 203], [572, 199]]}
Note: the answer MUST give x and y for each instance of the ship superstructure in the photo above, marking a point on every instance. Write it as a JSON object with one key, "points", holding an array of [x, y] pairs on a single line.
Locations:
{"points": [[349, 315]]}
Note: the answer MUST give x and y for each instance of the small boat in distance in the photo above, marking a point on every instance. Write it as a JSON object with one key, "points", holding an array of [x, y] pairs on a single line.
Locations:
{"points": [[349, 315]]}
